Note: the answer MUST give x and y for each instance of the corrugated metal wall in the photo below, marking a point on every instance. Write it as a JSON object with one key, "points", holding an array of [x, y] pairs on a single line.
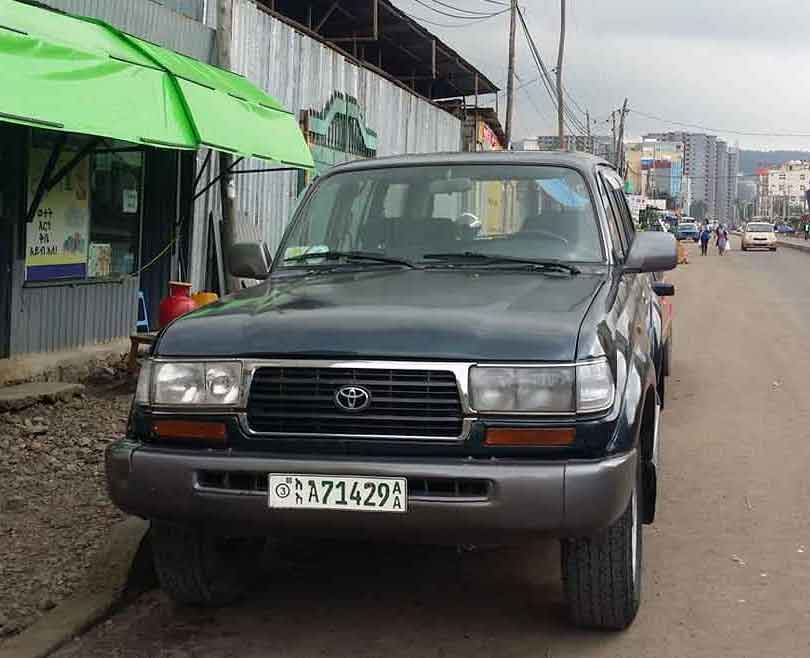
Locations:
{"points": [[150, 21], [61, 317], [303, 74]]}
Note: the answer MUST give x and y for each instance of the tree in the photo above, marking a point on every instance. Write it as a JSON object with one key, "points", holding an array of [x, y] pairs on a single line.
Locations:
{"points": [[698, 210]]}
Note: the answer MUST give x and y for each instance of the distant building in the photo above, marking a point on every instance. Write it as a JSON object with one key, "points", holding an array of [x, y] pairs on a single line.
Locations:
{"points": [[601, 145], [700, 165], [656, 169], [783, 188]]}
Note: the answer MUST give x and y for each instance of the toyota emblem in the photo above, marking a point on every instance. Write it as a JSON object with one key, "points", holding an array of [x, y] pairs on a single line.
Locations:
{"points": [[352, 398]]}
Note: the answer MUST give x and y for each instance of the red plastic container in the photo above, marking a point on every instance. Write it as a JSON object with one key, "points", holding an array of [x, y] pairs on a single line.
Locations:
{"points": [[177, 303]]}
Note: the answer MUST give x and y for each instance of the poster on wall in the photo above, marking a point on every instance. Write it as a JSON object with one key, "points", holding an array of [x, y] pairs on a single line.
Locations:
{"points": [[56, 239]]}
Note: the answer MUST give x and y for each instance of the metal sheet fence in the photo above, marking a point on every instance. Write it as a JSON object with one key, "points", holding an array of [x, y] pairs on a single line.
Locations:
{"points": [[304, 74]]}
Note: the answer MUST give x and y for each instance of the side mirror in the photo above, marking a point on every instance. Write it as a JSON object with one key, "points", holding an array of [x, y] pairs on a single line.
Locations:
{"points": [[652, 252], [663, 288], [249, 260]]}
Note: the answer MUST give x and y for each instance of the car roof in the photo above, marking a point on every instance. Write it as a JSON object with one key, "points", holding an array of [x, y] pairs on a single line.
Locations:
{"points": [[576, 160]]}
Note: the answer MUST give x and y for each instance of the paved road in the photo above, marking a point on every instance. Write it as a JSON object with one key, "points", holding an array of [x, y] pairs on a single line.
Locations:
{"points": [[727, 564]]}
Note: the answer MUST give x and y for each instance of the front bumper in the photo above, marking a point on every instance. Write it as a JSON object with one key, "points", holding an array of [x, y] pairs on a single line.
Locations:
{"points": [[523, 498]]}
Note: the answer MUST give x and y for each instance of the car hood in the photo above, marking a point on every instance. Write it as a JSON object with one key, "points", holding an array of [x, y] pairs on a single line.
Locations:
{"points": [[464, 314]]}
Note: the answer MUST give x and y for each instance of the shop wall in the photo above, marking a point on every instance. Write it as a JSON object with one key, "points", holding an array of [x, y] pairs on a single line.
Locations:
{"points": [[50, 318], [303, 74]]}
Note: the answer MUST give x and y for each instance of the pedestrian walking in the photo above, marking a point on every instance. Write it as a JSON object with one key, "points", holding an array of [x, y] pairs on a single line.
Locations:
{"points": [[705, 237], [807, 230], [722, 239]]}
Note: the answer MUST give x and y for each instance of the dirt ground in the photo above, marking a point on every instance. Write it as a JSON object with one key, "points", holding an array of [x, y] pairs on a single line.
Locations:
{"points": [[54, 510], [727, 568]]}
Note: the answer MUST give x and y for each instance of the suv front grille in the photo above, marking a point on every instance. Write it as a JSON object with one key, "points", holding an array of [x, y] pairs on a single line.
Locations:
{"points": [[404, 403]]}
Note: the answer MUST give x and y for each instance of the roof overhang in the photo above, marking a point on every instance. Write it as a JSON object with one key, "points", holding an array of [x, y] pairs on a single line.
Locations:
{"points": [[387, 40]]}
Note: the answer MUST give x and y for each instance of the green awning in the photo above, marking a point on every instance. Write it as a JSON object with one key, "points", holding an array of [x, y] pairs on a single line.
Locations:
{"points": [[82, 75]]}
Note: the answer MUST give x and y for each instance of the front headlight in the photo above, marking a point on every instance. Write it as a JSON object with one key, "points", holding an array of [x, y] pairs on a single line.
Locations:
{"points": [[583, 388], [190, 383]]}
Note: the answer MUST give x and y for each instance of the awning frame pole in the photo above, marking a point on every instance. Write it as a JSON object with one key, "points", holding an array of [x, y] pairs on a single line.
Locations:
{"points": [[216, 179], [203, 169]]}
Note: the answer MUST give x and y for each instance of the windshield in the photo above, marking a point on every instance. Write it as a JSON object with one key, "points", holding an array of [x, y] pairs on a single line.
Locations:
{"points": [[408, 213], [759, 228], [688, 227]]}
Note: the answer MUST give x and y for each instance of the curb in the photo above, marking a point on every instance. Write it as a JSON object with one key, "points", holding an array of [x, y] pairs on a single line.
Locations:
{"points": [[104, 588], [793, 245]]}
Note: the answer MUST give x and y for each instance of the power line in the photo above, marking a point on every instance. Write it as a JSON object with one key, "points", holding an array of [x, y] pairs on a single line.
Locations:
{"points": [[717, 130], [428, 21], [462, 9], [573, 123], [444, 13]]}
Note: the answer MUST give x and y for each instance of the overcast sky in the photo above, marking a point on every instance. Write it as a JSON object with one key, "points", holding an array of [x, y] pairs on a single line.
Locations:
{"points": [[725, 64]]}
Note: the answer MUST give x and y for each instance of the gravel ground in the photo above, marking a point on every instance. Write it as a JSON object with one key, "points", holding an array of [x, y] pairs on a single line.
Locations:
{"points": [[54, 509]]}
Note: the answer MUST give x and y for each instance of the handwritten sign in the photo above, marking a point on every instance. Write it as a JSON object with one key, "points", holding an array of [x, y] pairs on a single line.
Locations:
{"points": [[56, 239]]}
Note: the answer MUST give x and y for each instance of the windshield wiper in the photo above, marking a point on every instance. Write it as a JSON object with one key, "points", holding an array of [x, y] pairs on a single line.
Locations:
{"points": [[548, 264], [350, 255]]}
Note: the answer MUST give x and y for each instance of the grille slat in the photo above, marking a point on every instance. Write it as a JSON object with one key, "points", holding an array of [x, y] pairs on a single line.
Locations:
{"points": [[404, 403], [249, 482]]}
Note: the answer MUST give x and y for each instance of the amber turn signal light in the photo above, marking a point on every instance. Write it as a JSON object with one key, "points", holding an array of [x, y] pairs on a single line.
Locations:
{"points": [[189, 429], [529, 437]]}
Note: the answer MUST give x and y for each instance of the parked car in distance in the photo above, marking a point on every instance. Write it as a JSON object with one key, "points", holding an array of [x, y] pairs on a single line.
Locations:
{"points": [[408, 371], [688, 231], [785, 229], [758, 235]]}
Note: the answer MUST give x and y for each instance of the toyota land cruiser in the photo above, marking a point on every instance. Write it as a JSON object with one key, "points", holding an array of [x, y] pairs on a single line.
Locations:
{"points": [[451, 348]]}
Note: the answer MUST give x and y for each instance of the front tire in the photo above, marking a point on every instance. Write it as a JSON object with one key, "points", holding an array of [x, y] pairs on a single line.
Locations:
{"points": [[197, 567], [602, 574]]}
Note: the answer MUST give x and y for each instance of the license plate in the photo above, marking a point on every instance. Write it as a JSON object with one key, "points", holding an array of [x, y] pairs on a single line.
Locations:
{"points": [[337, 492]]}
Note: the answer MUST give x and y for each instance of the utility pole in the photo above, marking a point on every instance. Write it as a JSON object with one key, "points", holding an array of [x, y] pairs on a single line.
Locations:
{"points": [[620, 141], [560, 123], [613, 130], [510, 83], [227, 188], [588, 127]]}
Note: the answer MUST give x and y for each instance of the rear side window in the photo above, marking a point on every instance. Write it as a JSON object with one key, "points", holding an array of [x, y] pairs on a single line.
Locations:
{"points": [[617, 233], [621, 207]]}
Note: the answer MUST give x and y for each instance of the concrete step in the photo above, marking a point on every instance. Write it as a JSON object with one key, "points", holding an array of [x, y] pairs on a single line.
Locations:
{"points": [[21, 396]]}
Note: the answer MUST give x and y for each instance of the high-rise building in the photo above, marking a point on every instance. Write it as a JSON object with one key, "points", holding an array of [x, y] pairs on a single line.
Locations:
{"points": [[732, 183], [721, 200]]}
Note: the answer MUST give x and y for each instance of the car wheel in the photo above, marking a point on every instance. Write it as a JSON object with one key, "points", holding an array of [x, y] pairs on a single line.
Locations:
{"points": [[602, 574], [196, 567]]}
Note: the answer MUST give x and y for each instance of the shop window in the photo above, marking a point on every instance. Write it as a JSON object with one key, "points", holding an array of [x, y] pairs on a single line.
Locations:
{"points": [[87, 226]]}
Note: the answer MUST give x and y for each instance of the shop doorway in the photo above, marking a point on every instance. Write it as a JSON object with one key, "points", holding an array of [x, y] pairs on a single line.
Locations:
{"points": [[6, 254], [11, 166]]}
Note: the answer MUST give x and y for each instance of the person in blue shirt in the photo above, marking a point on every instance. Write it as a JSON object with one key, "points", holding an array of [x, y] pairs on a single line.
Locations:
{"points": [[705, 236]]}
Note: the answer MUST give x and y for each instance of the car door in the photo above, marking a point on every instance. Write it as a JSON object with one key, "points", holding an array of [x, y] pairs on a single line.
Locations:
{"points": [[644, 324]]}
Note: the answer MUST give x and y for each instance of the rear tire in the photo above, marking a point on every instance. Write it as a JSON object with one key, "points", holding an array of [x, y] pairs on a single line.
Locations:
{"points": [[602, 574], [196, 567]]}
